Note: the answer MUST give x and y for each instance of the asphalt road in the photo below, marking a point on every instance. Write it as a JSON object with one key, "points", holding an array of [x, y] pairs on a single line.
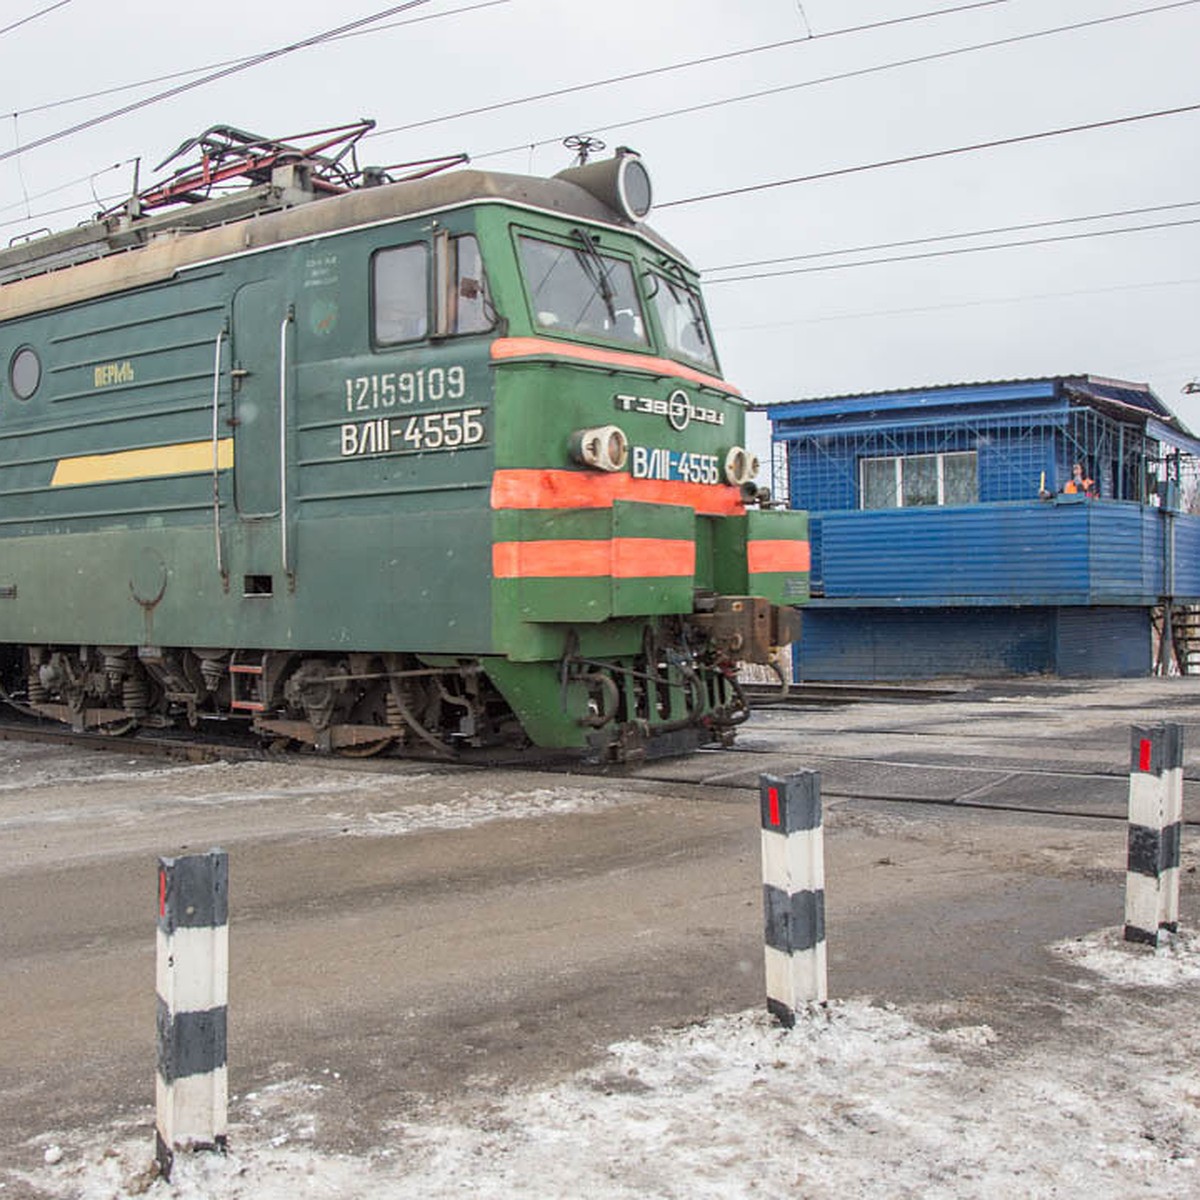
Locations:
{"points": [[427, 935]]}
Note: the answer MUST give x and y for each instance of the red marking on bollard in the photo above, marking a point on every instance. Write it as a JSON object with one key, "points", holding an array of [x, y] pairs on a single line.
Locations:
{"points": [[773, 801], [162, 892], [1144, 755]]}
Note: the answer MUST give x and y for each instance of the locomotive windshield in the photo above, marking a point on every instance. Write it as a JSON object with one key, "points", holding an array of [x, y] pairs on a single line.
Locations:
{"points": [[574, 288], [681, 318]]}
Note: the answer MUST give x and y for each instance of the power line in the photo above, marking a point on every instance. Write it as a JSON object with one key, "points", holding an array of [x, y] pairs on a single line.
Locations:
{"points": [[942, 237], [680, 66], [104, 201], [229, 62], [1024, 298], [34, 16], [256, 60], [62, 187], [929, 155], [874, 262], [857, 73]]}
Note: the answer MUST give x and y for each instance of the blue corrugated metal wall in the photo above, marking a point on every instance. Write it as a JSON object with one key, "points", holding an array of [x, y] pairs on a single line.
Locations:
{"points": [[1187, 556], [1125, 550], [923, 643], [1065, 551], [1112, 643], [928, 643]]}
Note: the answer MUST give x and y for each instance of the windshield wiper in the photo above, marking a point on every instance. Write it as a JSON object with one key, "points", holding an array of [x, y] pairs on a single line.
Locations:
{"points": [[597, 273], [697, 316], [677, 279]]}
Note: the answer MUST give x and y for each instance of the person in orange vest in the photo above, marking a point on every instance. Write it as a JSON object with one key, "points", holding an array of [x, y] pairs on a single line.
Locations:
{"points": [[1079, 484]]}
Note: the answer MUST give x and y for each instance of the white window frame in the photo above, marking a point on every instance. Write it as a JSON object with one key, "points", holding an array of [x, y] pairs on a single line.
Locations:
{"points": [[897, 461]]}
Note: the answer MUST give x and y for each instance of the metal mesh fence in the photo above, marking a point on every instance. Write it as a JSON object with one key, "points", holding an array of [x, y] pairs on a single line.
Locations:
{"points": [[1017, 457]]}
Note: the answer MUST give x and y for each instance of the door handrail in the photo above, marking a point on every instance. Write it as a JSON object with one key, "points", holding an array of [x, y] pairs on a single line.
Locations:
{"points": [[283, 413], [216, 464]]}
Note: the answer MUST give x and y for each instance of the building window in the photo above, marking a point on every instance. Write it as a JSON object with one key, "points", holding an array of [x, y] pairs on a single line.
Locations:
{"points": [[916, 480]]}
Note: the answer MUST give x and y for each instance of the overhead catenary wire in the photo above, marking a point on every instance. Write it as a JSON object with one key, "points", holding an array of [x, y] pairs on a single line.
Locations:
{"points": [[229, 62], [954, 305], [1174, 4], [959, 250], [930, 155], [58, 212], [234, 64], [62, 187], [1146, 210], [943, 253], [33, 16], [256, 60], [838, 77], [707, 60]]}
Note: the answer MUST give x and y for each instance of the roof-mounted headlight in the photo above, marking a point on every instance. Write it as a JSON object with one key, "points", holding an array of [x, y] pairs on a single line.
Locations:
{"points": [[606, 448], [622, 183]]}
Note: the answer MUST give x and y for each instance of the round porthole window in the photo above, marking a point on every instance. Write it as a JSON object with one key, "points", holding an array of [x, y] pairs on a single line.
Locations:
{"points": [[25, 372]]}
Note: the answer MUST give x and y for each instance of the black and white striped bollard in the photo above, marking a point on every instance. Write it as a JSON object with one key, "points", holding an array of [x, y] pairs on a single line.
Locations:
{"points": [[1155, 823], [793, 855], [192, 1091]]}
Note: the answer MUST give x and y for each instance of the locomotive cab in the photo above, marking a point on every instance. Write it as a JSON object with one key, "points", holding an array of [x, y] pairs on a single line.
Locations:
{"points": [[621, 490]]}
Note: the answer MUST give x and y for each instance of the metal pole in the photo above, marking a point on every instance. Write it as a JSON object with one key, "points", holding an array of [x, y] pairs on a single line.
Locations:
{"points": [[793, 855], [1155, 824], [193, 990]]}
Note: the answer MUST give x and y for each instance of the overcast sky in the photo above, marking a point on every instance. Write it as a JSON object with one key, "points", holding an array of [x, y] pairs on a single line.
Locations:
{"points": [[1123, 305]]}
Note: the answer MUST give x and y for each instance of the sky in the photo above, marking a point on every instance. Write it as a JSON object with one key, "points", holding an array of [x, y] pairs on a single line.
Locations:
{"points": [[841, 99]]}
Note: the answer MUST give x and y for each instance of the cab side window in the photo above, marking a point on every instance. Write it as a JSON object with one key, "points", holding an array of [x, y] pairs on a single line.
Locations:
{"points": [[400, 279], [472, 310]]}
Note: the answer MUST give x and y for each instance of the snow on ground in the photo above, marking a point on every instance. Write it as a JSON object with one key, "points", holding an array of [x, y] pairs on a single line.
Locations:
{"points": [[386, 804], [1173, 964], [859, 1100], [478, 807]]}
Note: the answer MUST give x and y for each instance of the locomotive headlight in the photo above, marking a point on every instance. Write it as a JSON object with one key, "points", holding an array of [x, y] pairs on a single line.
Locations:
{"points": [[606, 448], [622, 183], [740, 466]]}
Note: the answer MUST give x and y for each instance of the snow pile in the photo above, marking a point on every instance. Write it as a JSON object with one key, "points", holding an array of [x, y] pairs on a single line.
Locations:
{"points": [[1175, 962], [16, 775], [856, 1101], [477, 808]]}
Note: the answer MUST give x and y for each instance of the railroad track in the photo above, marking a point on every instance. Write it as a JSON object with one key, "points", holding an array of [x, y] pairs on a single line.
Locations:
{"points": [[824, 695], [738, 766]]}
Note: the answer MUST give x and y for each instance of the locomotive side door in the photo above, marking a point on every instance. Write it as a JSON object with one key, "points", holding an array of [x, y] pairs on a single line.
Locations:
{"points": [[258, 312]]}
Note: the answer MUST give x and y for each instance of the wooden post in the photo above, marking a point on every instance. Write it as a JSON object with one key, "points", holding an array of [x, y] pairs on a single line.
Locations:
{"points": [[193, 989], [793, 854]]}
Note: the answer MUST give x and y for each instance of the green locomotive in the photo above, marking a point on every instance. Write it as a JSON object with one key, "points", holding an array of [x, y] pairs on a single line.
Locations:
{"points": [[419, 465]]}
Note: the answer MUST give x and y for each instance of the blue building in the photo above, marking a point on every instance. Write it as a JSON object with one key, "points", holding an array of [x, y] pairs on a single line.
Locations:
{"points": [[942, 543]]}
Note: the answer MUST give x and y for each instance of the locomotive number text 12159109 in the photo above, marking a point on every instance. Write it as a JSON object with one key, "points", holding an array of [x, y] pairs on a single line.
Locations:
{"points": [[365, 393]]}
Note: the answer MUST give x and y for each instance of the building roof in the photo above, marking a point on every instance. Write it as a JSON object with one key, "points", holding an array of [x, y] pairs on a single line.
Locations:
{"points": [[1135, 403]]}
